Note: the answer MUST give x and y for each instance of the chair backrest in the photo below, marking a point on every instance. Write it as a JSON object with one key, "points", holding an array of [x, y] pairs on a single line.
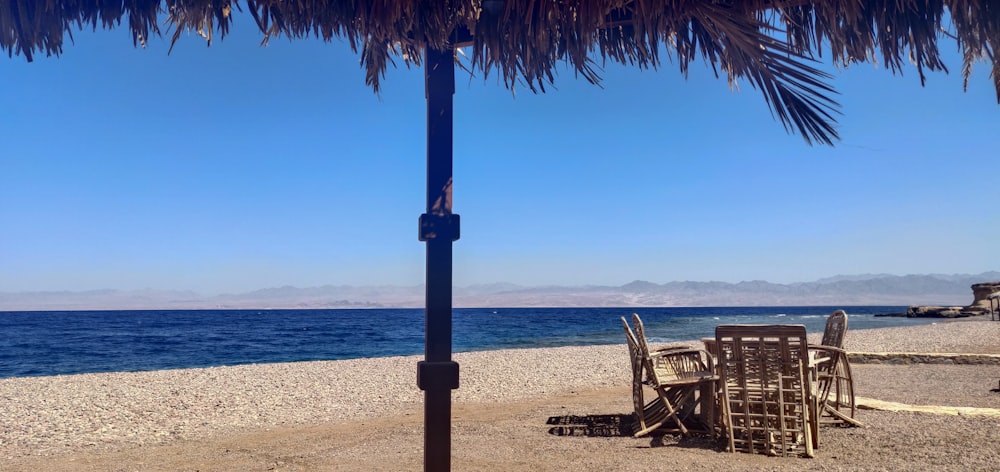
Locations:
{"points": [[766, 390], [634, 354], [640, 334], [637, 360], [836, 328], [671, 363]]}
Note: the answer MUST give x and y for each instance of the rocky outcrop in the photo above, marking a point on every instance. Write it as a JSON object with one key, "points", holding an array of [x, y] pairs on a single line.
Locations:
{"points": [[981, 294], [924, 311]]}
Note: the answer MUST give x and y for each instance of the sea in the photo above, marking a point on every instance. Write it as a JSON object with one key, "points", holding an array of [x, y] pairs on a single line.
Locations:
{"points": [[43, 343]]}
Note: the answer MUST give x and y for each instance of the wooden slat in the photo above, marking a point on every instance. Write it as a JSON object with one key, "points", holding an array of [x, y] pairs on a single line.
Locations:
{"points": [[766, 388]]}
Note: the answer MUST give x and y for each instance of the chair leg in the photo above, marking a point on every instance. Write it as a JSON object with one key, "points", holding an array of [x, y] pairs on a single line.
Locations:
{"points": [[842, 395], [842, 417], [650, 418], [708, 399], [814, 415], [672, 410], [663, 409]]}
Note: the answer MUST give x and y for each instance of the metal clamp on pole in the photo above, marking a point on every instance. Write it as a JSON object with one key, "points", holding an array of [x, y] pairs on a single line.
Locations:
{"points": [[437, 375], [439, 227]]}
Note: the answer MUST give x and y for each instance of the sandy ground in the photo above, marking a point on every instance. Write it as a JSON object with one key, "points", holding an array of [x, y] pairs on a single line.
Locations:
{"points": [[514, 412]]}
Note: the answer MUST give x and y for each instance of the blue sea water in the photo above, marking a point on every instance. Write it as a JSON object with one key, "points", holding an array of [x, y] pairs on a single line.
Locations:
{"points": [[73, 342]]}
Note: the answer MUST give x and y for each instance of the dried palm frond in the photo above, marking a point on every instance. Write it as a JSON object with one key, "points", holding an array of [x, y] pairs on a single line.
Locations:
{"points": [[770, 44]]}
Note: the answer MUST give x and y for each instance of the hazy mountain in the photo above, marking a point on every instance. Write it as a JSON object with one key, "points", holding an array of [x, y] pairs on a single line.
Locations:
{"points": [[845, 290], [100, 299], [852, 278]]}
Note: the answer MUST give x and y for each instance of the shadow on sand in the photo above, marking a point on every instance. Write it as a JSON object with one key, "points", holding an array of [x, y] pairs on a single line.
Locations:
{"points": [[599, 426], [621, 426]]}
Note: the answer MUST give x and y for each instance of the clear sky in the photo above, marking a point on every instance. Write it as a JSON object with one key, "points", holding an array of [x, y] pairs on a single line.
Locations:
{"points": [[235, 167]]}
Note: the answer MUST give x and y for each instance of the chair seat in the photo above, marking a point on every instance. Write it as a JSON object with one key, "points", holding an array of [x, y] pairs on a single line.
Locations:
{"points": [[693, 378]]}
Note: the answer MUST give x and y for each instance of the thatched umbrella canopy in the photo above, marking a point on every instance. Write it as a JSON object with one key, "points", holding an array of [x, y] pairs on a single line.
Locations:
{"points": [[767, 43], [772, 45]]}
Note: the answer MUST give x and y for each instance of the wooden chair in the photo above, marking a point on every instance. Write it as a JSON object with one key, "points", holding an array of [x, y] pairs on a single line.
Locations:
{"points": [[767, 400], [648, 416], [832, 372], [676, 376]]}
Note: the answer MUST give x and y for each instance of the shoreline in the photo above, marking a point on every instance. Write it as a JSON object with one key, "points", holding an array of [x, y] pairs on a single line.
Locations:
{"points": [[114, 417], [264, 353]]}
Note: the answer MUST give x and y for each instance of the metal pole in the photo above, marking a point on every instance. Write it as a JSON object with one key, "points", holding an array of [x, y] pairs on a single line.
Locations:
{"points": [[437, 374]]}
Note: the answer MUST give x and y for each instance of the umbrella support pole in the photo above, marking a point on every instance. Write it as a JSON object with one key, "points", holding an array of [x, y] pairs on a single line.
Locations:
{"points": [[437, 374]]}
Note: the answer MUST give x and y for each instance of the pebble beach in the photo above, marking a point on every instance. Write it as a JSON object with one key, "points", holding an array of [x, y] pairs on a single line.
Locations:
{"points": [[366, 414]]}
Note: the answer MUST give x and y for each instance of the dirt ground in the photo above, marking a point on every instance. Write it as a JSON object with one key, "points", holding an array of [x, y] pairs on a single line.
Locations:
{"points": [[589, 430]]}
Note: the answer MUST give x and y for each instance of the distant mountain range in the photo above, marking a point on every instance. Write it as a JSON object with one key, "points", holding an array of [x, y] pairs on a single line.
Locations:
{"points": [[841, 290]]}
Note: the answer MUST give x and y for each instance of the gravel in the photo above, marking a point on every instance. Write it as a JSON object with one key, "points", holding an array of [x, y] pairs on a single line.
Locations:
{"points": [[49, 416]]}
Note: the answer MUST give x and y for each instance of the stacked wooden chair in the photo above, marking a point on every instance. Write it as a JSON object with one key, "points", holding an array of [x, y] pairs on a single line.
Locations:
{"points": [[682, 379], [767, 398], [832, 373]]}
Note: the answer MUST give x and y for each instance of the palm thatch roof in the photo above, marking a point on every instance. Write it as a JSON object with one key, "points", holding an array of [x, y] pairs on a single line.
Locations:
{"points": [[770, 44]]}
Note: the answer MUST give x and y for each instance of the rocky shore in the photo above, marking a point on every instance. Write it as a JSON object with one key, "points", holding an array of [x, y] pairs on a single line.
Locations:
{"points": [[365, 414], [985, 298]]}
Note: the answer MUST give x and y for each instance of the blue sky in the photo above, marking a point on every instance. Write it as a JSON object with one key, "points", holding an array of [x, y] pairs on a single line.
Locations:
{"points": [[235, 167]]}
